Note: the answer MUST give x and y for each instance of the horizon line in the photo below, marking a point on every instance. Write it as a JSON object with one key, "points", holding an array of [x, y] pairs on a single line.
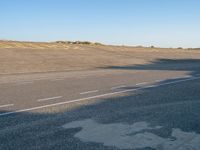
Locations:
{"points": [[100, 43]]}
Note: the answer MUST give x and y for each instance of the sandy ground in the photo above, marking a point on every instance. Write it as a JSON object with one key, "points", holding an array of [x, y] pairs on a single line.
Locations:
{"points": [[20, 57]]}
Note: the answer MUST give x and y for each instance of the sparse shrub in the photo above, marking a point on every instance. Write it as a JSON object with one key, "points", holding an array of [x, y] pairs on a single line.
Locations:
{"points": [[180, 48], [96, 43], [59, 42], [139, 46], [78, 42], [86, 43]]}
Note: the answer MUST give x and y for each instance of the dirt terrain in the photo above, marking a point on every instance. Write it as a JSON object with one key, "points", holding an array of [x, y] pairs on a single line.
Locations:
{"points": [[32, 57]]}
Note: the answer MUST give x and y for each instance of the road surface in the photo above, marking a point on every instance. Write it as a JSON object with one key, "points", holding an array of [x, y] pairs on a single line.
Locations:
{"points": [[153, 106]]}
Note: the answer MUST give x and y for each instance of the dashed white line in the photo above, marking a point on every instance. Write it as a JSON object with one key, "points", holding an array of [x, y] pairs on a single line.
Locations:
{"points": [[187, 76], [81, 76], [176, 78], [159, 80], [7, 105], [50, 98], [93, 97], [151, 86], [57, 79], [39, 79], [23, 83], [118, 87], [142, 83], [89, 92]]}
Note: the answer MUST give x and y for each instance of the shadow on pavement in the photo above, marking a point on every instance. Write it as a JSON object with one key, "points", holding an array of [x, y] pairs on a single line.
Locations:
{"points": [[190, 65]]}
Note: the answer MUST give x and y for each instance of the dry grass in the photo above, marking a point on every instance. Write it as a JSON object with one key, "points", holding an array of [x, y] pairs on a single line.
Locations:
{"points": [[26, 57], [43, 45]]}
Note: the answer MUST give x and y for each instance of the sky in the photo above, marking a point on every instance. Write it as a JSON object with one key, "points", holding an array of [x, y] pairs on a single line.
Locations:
{"points": [[162, 23]]}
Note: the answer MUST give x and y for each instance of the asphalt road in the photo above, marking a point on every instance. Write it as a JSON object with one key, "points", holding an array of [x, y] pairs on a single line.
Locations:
{"points": [[152, 106]]}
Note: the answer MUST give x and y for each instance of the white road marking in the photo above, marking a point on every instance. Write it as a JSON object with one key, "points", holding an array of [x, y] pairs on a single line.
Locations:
{"points": [[151, 86], [92, 97], [118, 87], [57, 80], [50, 98], [38, 79], [176, 78], [7, 105], [24, 83], [187, 76], [88, 92], [159, 80], [80, 77], [142, 83]]}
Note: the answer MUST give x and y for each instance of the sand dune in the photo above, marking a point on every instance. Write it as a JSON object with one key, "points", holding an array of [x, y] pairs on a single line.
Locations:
{"points": [[29, 57]]}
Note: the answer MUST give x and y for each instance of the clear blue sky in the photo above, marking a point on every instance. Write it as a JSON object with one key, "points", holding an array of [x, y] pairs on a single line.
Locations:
{"points": [[165, 23]]}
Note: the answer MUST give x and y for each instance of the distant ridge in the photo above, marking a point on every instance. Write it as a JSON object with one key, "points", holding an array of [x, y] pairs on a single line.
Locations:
{"points": [[42, 45], [67, 44]]}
